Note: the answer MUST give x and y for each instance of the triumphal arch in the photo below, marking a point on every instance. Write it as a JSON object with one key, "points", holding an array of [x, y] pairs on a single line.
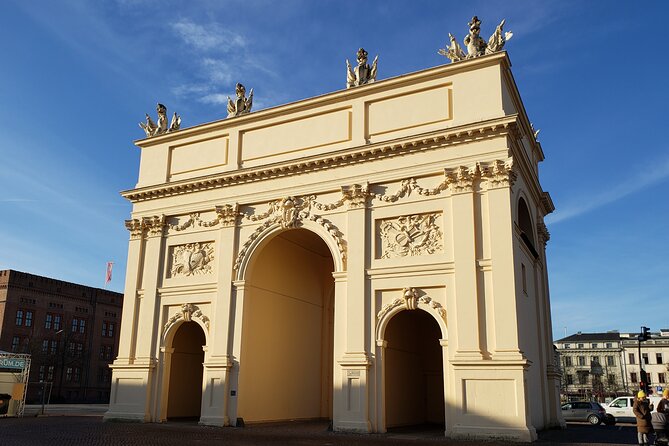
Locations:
{"points": [[373, 256]]}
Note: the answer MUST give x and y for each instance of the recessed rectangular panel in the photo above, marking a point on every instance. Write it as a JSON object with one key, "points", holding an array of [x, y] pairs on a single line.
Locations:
{"points": [[297, 135], [198, 156], [409, 110], [484, 397]]}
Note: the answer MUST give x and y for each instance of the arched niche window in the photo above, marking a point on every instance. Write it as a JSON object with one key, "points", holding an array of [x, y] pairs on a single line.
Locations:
{"points": [[525, 225]]}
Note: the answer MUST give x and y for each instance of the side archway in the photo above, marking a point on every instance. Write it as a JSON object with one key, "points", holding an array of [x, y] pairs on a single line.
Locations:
{"points": [[411, 340]]}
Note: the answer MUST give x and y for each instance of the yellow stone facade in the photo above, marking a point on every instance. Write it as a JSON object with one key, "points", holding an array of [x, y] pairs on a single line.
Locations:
{"points": [[374, 256]]}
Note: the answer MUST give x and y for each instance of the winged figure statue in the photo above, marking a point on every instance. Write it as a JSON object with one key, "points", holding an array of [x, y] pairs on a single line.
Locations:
{"points": [[362, 73], [242, 104]]}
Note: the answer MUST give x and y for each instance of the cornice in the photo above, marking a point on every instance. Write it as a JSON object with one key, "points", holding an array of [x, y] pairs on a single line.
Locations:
{"points": [[427, 74], [492, 128]]}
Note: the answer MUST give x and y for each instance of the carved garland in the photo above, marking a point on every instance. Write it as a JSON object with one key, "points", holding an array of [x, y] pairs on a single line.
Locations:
{"points": [[188, 312], [410, 235], [289, 212], [410, 301]]}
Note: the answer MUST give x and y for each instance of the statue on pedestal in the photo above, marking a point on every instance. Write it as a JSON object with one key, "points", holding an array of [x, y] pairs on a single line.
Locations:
{"points": [[363, 73], [475, 45], [241, 105], [153, 129]]}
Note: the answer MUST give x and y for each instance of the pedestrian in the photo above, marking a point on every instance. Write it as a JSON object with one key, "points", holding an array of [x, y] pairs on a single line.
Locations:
{"points": [[642, 409], [663, 405]]}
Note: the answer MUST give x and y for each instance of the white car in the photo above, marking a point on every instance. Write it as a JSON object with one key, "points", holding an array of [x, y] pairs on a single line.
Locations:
{"points": [[621, 407]]}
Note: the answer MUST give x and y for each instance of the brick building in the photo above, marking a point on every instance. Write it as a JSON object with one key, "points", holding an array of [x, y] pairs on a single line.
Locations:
{"points": [[70, 330]]}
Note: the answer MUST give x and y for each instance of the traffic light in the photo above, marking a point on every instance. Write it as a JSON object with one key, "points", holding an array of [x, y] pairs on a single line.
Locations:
{"points": [[644, 384], [645, 334]]}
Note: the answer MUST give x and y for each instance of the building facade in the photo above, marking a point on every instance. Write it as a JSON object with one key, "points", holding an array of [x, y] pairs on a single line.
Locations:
{"points": [[604, 365], [71, 332], [373, 256]]}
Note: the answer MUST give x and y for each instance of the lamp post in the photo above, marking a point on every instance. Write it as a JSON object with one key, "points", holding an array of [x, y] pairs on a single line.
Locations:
{"points": [[644, 335]]}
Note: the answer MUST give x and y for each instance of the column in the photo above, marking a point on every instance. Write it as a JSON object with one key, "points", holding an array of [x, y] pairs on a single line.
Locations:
{"points": [[467, 317], [218, 363], [352, 395], [128, 330], [503, 263]]}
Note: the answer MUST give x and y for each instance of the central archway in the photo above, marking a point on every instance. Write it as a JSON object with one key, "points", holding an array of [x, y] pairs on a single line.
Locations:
{"points": [[185, 377], [286, 358]]}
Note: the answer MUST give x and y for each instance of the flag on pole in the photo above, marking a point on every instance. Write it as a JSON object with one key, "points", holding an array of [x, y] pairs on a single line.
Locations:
{"points": [[108, 276]]}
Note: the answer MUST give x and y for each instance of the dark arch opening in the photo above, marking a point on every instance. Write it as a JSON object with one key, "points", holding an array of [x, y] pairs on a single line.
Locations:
{"points": [[414, 375], [525, 225], [185, 390]]}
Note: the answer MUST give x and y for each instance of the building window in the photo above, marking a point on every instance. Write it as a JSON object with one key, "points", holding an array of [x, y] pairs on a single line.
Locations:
{"points": [[567, 346], [75, 325], [48, 321], [610, 360], [56, 321], [82, 326], [77, 374], [45, 346], [49, 376], [633, 377], [19, 317], [108, 352], [110, 331], [645, 358], [611, 380], [15, 343], [102, 352], [80, 350], [70, 348], [581, 345], [593, 345], [609, 345], [661, 378], [29, 318], [54, 347], [42, 369], [570, 380], [594, 360], [104, 329], [583, 378], [581, 360], [524, 276], [68, 374], [567, 361], [632, 359], [658, 358]]}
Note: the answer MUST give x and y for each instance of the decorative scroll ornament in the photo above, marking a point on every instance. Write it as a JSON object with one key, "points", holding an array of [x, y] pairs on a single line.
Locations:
{"points": [[362, 74], [135, 227], [242, 104], [227, 214], [289, 212], [475, 45], [542, 231], [188, 313], [153, 129], [192, 259], [411, 301], [356, 195], [154, 225], [410, 235]]}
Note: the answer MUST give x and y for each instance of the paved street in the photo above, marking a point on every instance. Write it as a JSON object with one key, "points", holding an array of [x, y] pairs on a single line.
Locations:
{"points": [[59, 428]]}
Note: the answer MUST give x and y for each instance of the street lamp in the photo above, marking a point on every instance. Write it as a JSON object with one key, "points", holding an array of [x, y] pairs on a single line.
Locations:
{"points": [[644, 335]]}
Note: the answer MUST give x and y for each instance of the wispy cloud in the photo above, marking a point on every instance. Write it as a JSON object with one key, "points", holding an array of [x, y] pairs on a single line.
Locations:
{"points": [[612, 193], [208, 37]]}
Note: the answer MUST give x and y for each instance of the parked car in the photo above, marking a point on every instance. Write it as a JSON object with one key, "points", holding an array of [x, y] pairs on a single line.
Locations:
{"points": [[588, 411], [621, 407]]}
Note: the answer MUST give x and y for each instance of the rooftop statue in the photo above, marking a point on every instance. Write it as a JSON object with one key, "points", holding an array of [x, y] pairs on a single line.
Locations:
{"points": [[475, 45], [363, 73], [153, 129], [242, 104]]}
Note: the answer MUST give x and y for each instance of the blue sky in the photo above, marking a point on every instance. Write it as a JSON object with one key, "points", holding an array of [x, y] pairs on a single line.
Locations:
{"points": [[77, 76]]}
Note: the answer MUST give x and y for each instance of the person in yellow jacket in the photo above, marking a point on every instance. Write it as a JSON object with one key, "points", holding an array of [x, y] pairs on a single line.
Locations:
{"points": [[642, 409]]}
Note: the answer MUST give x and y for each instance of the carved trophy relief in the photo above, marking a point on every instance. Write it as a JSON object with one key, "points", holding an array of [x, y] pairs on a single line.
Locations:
{"points": [[192, 259], [410, 235]]}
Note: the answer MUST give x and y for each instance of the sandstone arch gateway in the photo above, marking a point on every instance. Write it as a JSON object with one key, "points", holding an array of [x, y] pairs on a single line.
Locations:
{"points": [[302, 242]]}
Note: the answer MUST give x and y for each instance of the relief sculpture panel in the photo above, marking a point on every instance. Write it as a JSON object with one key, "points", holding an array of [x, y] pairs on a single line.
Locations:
{"points": [[192, 259], [409, 235]]}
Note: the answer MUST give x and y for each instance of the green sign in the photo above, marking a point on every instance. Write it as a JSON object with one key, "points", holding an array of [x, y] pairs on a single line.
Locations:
{"points": [[12, 363]]}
